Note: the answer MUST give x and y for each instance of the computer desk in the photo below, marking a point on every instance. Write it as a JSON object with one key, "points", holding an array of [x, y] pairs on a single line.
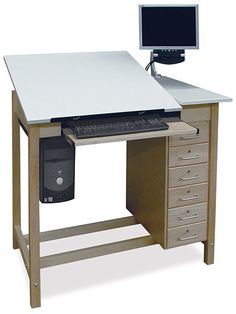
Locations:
{"points": [[171, 174]]}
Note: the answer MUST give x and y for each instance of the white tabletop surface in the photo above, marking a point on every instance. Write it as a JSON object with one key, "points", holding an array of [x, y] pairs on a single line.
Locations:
{"points": [[77, 84], [187, 94]]}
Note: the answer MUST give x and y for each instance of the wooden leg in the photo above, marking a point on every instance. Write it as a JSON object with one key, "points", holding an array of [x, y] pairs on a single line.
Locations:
{"points": [[209, 244], [16, 202], [34, 230]]}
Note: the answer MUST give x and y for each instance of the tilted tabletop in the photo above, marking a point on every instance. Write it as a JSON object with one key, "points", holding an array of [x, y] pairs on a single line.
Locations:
{"points": [[51, 86]]}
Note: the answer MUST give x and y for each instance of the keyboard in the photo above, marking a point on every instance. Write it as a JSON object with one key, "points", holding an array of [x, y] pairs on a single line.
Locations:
{"points": [[117, 125]]}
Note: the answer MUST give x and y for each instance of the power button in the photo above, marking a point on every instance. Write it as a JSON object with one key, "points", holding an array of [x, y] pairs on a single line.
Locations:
{"points": [[59, 181]]}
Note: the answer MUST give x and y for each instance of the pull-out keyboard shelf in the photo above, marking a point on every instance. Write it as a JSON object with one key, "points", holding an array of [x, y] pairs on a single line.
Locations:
{"points": [[175, 128]]}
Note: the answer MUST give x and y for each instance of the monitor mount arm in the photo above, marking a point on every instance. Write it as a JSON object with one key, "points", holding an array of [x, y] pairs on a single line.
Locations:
{"points": [[153, 67], [165, 57]]}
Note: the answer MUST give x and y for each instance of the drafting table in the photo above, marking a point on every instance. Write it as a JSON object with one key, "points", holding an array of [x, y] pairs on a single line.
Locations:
{"points": [[171, 174]]}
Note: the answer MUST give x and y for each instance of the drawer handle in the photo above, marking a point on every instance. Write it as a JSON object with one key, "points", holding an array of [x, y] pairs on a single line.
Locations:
{"points": [[189, 217], [190, 157], [194, 197], [188, 238], [189, 178], [189, 137]]}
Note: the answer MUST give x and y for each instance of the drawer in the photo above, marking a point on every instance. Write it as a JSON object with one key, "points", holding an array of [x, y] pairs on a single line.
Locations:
{"points": [[187, 155], [191, 114], [192, 174], [187, 214], [201, 137], [187, 234], [187, 195]]}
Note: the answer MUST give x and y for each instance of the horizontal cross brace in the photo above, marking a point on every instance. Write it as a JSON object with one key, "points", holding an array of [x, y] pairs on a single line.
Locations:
{"points": [[110, 248], [83, 229]]}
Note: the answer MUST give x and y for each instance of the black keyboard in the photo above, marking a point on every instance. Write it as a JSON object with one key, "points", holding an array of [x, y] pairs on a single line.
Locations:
{"points": [[118, 125]]}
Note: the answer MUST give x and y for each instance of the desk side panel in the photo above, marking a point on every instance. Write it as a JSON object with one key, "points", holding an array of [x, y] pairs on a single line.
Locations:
{"points": [[146, 190]]}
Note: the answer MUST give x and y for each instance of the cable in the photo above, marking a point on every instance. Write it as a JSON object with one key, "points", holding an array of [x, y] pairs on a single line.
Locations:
{"points": [[148, 65]]}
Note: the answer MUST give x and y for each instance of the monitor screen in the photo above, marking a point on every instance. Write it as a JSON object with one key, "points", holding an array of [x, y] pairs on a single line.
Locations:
{"points": [[168, 27]]}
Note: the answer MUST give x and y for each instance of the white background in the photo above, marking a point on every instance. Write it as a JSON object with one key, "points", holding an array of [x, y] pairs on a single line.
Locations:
{"points": [[148, 280]]}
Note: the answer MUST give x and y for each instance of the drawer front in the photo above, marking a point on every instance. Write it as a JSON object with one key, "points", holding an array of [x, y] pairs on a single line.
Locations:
{"points": [[201, 137], [187, 195], [187, 214], [189, 114], [187, 234], [186, 175], [187, 155]]}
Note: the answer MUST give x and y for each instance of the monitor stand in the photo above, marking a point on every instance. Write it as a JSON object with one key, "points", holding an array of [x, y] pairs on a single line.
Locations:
{"points": [[167, 56]]}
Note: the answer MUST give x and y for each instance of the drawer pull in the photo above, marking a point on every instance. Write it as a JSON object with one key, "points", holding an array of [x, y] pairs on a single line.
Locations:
{"points": [[189, 217], [189, 178], [190, 157], [189, 137], [189, 198], [188, 238]]}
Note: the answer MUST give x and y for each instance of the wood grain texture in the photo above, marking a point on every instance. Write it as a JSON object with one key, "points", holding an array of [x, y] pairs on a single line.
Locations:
{"points": [[85, 229], [50, 130], [201, 137], [209, 245], [183, 215], [175, 128], [146, 196], [185, 175], [187, 234], [187, 195], [23, 247], [34, 230], [100, 250], [188, 155], [20, 112], [195, 113], [16, 186]]}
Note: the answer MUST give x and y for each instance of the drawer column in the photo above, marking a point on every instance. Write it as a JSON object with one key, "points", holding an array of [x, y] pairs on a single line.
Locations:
{"points": [[188, 184]]}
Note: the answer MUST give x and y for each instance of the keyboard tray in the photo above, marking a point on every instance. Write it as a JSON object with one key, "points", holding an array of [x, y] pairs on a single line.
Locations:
{"points": [[175, 128]]}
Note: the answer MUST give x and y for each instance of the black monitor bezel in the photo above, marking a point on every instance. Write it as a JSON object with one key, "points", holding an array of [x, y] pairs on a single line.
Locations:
{"points": [[141, 46]]}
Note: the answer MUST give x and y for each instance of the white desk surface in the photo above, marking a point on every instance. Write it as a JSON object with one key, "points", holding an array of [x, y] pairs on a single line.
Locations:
{"points": [[187, 94], [77, 84]]}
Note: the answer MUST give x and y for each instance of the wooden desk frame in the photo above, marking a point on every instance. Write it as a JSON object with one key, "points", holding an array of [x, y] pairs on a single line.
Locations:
{"points": [[29, 245]]}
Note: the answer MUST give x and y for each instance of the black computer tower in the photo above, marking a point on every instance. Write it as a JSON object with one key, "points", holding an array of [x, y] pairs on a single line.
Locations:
{"points": [[57, 169]]}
